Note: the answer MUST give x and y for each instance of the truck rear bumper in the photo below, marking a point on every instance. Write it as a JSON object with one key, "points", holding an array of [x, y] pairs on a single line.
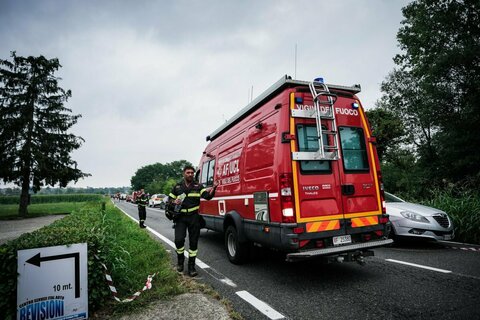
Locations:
{"points": [[337, 250]]}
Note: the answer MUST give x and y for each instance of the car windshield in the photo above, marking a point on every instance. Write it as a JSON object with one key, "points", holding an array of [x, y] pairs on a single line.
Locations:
{"points": [[391, 198]]}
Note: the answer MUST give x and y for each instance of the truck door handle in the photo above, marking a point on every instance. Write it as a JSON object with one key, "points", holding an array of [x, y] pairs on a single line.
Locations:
{"points": [[348, 189]]}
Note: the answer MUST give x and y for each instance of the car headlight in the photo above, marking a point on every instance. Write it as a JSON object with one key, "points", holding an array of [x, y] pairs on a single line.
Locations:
{"points": [[414, 216]]}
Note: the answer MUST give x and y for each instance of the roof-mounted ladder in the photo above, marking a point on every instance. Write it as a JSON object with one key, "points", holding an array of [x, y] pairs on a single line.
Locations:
{"points": [[323, 101]]}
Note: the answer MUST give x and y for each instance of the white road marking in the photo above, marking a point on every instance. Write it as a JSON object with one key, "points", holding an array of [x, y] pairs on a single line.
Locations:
{"points": [[419, 266], [260, 305], [198, 262]]}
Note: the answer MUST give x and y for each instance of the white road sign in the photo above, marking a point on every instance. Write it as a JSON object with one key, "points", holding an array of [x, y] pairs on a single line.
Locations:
{"points": [[52, 283]]}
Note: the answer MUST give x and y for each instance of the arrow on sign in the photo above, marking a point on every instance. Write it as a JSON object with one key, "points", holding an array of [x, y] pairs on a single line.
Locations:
{"points": [[36, 261]]}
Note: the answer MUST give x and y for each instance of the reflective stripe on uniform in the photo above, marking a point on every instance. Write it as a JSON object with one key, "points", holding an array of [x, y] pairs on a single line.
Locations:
{"points": [[192, 253], [203, 190], [194, 195], [171, 195], [190, 209], [180, 250]]}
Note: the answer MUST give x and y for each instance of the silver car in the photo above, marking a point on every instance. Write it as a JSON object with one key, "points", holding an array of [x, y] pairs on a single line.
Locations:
{"points": [[418, 221]]}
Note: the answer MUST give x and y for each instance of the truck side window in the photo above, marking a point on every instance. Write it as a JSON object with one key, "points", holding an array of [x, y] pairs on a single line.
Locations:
{"points": [[353, 149], [308, 141], [208, 171]]}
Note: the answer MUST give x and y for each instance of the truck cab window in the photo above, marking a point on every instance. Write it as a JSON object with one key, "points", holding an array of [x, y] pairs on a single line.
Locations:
{"points": [[308, 141], [353, 149], [208, 171]]}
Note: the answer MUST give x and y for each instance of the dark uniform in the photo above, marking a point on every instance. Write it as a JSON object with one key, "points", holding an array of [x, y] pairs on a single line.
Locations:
{"points": [[187, 217], [142, 202]]}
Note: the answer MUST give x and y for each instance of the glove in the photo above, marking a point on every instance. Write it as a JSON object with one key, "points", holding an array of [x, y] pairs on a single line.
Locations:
{"points": [[169, 215]]}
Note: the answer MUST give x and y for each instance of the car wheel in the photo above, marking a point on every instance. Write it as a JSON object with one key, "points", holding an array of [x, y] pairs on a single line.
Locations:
{"points": [[237, 251]]}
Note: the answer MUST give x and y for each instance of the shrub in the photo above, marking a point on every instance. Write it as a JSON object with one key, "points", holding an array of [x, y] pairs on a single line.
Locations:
{"points": [[463, 206]]}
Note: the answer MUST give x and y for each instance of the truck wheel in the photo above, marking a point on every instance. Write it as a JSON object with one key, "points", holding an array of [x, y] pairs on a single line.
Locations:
{"points": [[237, 252]]}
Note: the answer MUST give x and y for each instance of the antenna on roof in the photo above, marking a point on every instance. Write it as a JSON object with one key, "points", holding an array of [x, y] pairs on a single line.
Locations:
{"points": [[295, 75]]}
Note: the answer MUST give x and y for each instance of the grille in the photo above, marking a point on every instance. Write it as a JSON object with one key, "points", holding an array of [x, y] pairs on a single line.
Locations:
{"points": [[442, 220]]}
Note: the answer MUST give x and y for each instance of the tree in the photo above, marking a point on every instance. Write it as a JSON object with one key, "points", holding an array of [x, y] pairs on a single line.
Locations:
{"points": [[435, 88], [153, 176], [388, 129], [35, 145]]}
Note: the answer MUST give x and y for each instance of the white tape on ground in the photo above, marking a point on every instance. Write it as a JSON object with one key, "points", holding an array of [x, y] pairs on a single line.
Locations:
{"points": [[260, 305], [113, 290], [419, 266], [198, 262]]}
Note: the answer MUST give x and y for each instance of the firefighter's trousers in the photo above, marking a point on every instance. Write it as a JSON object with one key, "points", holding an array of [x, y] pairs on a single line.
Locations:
{"points": [[192, 223], [142, 213]]}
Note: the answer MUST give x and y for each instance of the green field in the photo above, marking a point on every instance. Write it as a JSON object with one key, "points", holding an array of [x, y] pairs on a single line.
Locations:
{"points": [[10, 211], [44, 205]]}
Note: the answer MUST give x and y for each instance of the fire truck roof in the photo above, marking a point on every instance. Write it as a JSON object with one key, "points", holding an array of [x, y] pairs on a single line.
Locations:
{"points": [[284, 82]]}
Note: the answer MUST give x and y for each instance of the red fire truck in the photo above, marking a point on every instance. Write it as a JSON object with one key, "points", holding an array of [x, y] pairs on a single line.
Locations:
{"points": [[298, 172]]}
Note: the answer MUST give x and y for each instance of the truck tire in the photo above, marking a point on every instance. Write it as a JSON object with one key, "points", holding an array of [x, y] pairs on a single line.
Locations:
{"points": [[237, 252]]}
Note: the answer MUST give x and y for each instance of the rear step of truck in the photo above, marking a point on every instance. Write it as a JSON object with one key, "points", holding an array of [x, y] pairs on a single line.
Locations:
{"points": [[336, 250]]}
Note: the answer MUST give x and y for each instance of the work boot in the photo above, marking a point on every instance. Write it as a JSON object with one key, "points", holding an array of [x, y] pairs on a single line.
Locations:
{"points": [[180, 262], [142, 224], [191, 267]]}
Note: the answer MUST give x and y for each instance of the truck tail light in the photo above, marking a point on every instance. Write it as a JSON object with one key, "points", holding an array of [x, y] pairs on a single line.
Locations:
{"points": [[383, 219], [286, 198], [382, 191]]}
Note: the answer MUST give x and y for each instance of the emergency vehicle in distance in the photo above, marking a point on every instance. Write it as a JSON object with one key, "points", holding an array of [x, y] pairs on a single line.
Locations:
{"points": [[298, 172]]}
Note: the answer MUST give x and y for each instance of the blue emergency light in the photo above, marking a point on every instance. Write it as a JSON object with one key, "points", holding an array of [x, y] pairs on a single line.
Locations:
{"points": [[319, 80], [298, 100], [355, 105]]}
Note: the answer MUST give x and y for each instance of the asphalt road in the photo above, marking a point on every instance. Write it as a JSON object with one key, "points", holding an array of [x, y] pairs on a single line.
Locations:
{"points": [[420, 281]]}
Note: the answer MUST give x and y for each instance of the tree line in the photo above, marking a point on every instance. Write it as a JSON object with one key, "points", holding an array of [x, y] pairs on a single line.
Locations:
{"points": [[158, 177], [427, 121], [68, 190]]}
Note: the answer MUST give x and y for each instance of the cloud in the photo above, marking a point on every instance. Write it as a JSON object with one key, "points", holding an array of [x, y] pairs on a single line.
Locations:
{"points": [[153, 78]]}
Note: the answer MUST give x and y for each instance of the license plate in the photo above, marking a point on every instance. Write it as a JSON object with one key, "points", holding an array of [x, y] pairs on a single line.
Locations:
{"points": [[342, 240]]}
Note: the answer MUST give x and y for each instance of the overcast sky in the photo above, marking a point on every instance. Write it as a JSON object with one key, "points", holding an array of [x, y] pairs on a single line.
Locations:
{"points": [[152, 79]]}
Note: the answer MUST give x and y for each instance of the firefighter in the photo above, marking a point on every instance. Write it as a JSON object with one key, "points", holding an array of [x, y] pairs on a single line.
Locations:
{"points": [[184, 202], [142, 201]]}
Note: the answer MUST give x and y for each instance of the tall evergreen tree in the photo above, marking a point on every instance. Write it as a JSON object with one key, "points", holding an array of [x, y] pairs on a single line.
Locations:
{"points": [[35, 145]]}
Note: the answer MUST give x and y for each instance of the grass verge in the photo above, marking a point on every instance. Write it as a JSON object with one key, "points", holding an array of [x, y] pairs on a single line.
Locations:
{"points": [[129, 253]]}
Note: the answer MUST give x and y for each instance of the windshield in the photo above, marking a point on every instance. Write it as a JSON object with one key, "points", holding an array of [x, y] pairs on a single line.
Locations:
{"points": [[391, 198]]}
